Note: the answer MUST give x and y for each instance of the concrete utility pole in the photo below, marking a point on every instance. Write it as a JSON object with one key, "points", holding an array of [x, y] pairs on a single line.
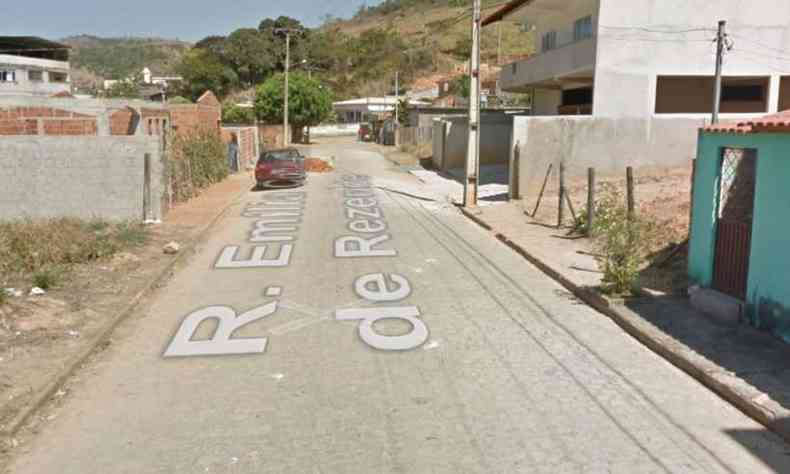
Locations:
{"points": [[473, 151], [720, 36], [397, 104], [287, 32]]}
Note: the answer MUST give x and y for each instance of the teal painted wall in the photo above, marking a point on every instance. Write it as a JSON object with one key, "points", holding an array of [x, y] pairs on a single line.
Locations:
{"points": [[768, 292]]}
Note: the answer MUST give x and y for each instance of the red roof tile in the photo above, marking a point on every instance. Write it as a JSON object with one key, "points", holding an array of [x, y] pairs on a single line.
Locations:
{"points": [[770, 123]]}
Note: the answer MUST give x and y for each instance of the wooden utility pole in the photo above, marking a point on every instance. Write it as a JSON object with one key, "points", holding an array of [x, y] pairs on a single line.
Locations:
{"points": [[629, 186], [719, 59], [473, 152], [590, 200]]}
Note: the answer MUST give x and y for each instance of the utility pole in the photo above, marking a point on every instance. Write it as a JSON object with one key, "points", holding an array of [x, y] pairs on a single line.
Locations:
{"points": [[287, 32], [720, 36], [473, 151], [499, 43], [397, 107]]}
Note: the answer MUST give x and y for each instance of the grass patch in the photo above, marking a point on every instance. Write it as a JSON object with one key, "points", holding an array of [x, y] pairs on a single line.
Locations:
{"points": [[45, 249], [47, 278]]}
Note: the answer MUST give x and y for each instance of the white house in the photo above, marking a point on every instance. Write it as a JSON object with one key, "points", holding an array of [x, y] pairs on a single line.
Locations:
{"points": [[358, 110], [634, 79], [33, 66]]}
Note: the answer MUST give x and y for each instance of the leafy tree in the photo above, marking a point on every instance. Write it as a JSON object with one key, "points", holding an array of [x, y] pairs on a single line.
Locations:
{"points": [[299, 42], [403, 112], [461, 86], [214, 44], [309, 102], [237, 115], [126, 89], [203, 71], [251, 54]]}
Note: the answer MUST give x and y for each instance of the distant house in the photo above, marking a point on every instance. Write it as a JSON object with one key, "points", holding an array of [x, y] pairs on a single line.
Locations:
{"points": [[33, 66], [360, 110], [160, 78], [738, 246]]}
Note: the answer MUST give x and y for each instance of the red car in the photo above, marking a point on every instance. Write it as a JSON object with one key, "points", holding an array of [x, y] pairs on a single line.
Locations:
{"points": [[280, 169]]}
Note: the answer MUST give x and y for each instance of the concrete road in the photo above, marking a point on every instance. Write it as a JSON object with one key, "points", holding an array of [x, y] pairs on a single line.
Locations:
{"points": [[483, 364]]}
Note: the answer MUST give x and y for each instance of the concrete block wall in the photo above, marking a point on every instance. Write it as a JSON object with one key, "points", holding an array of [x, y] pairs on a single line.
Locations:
{"points": [[85, 177], [496, 129], [608, 145]]}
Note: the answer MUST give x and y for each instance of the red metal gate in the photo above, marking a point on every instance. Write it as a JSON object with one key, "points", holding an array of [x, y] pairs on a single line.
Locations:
{"points": [[734, 224]]}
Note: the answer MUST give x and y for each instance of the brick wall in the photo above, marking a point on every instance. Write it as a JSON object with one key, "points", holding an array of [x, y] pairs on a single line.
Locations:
{"points": [[206, 114], [45, 121], [271, 136]]}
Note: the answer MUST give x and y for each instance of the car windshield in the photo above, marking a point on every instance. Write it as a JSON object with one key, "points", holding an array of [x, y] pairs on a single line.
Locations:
{"points": [[289, 155]]}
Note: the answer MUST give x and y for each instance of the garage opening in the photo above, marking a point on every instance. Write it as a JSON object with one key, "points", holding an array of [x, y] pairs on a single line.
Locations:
{"points": [[694, 94]]}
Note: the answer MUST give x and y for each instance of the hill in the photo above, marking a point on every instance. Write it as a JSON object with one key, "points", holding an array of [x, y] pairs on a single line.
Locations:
{"points": [[442, 27], [116, 58]]}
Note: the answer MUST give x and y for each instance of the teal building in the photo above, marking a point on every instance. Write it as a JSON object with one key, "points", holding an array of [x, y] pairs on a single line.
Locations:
{"points": [[740, 226]]}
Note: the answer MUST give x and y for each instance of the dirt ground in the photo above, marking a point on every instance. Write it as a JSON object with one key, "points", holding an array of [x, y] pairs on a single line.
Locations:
{"points": [[663, 198], [39, 334]]}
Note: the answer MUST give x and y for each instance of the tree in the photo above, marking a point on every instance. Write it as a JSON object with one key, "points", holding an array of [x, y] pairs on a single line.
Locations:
{"points": [[461, 86], [237, 115], [203, 71], [309, 102], [251, 54], [403, 112], [125, 89], [214, 44], [299, 42]]}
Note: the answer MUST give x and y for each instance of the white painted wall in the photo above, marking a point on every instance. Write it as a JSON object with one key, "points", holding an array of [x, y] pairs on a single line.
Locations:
{"points": [[23, 86], [629, 58]]}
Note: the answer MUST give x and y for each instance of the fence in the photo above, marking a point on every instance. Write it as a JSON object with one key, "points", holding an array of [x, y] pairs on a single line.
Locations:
{"points": [[416, 135]]}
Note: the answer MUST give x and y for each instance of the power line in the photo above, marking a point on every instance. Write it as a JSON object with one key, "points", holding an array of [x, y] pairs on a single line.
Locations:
{"points": [[652, 30]]}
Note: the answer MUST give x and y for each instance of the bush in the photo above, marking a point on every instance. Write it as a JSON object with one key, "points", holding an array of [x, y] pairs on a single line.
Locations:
{"points": [[623, 243], [233, 114], [197, 161], [46, 278], [46, 248]]}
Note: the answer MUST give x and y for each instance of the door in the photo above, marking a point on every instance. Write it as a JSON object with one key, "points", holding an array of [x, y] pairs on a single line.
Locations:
{"points": [[734, 221]]}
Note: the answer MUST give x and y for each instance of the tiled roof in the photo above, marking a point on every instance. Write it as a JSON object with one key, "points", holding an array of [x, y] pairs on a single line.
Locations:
{"points": [[770, 123]]}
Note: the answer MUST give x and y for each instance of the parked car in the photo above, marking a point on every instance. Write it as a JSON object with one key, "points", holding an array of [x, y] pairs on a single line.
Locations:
{"points": [[366, 132], [280, 169]]}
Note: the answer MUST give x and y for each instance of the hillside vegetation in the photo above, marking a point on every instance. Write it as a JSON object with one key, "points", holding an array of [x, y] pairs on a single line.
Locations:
{"points": [[118, 58]]}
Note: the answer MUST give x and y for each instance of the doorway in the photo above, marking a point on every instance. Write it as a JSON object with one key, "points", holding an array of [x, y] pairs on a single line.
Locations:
{"points": [[734, 221]]}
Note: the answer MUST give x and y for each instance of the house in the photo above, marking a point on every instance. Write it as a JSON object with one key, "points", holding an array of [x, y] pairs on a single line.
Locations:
{"points": [[619, 83], [739, 232], [33, 66], [160, 78], [359, 110]]}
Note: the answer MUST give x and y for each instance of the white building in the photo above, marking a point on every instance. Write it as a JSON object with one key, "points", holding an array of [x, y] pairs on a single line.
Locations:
{"points": [[359, 110], [33, 66], [637, 76]]}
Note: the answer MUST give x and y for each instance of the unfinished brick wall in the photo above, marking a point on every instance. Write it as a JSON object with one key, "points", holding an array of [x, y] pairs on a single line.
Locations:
{"points": [[206, 114], [45, 121], [271, 136]]}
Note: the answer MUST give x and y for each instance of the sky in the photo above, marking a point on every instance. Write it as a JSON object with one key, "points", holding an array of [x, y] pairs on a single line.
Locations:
{"points": [[188, 20]]}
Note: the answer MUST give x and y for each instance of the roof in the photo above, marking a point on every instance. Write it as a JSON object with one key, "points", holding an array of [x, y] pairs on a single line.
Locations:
{"points": [[35, 47], [770, 123], [506, 10]]}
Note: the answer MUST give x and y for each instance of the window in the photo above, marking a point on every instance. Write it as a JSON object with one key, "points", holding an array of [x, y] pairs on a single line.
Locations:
{"points": [[7, 76], [582, 29], [583, 96], [694, 95], [35, 76], [752, 93], [549, 41], [58, 77]]}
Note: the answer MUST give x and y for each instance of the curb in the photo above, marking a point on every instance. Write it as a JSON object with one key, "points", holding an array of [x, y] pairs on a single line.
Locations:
{"points": [[71, 365], [654, 341]]}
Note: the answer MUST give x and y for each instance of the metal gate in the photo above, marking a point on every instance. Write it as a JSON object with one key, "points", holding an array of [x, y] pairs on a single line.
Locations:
{"points": [[734, 223]]}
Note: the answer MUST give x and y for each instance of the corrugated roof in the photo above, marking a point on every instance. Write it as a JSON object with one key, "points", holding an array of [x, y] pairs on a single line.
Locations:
{"points": [[770, 123]]}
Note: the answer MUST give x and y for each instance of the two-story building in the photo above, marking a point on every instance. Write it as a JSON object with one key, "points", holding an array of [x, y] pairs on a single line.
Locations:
{"points": [[33, 66], [628, 82]]}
